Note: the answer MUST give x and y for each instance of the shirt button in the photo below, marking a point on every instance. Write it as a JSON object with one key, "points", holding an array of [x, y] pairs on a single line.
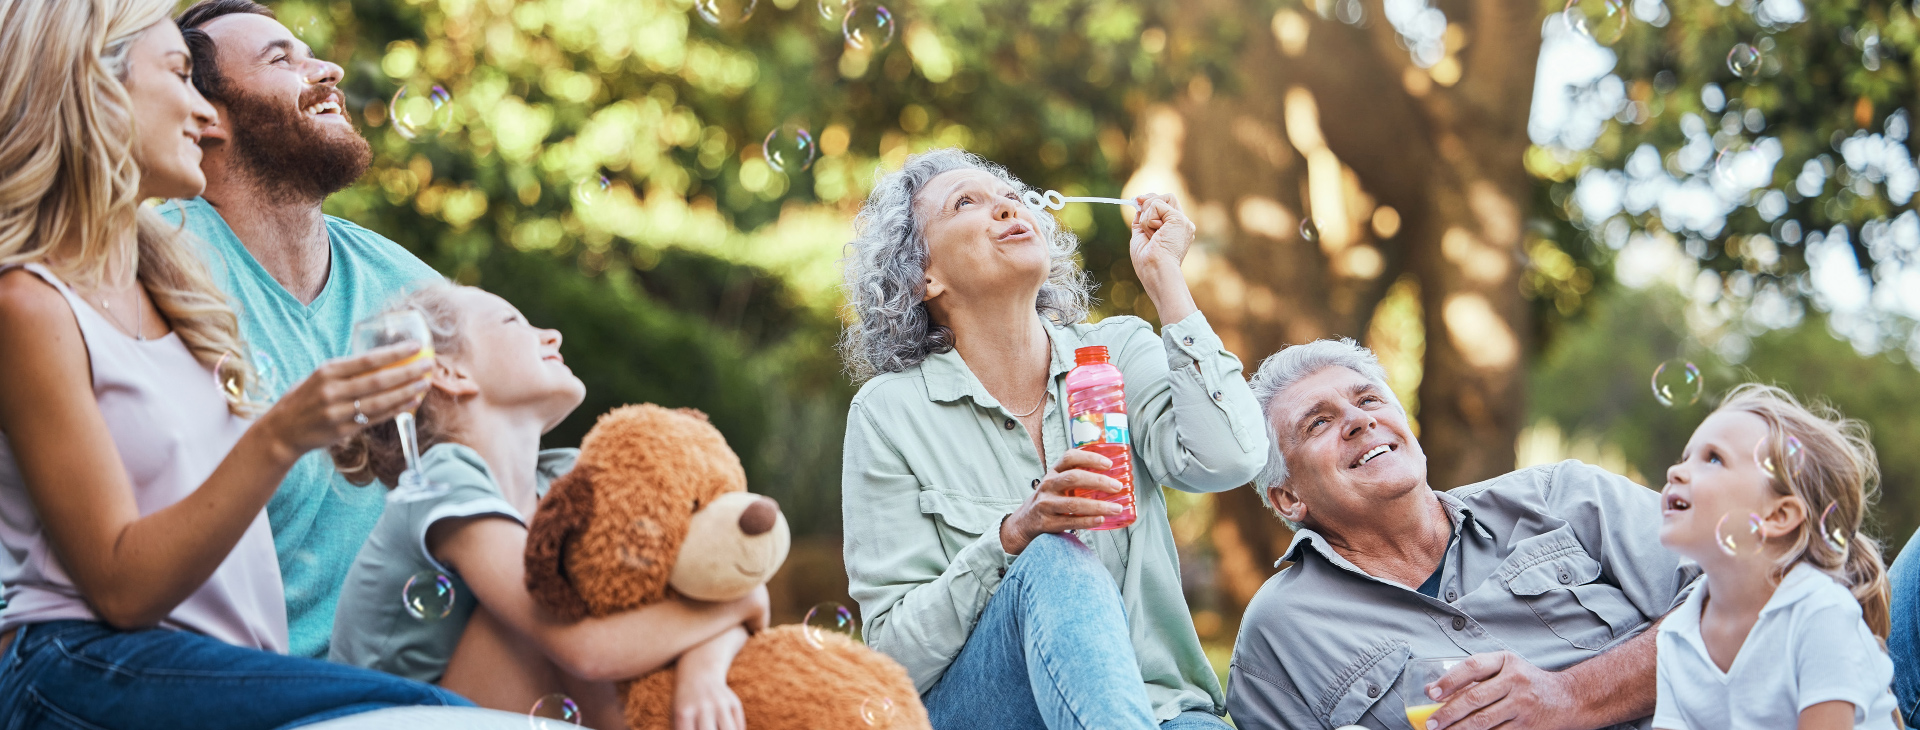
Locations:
{"points": [[1450, 596], [1217, 395], [1565, 579], [1188, 341], [1036, 484], [1373, 690], [1459, 623], [1003, 572], [1009, 424]]}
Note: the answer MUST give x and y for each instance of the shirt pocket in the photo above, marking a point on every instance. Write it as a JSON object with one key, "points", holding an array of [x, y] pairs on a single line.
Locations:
{"points": [[1559, 582], [1364, 684], [963, 517]]}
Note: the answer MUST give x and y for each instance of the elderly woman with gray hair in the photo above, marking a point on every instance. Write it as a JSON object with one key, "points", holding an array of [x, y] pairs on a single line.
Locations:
{"points": [[973, 566], [1542, 583]]}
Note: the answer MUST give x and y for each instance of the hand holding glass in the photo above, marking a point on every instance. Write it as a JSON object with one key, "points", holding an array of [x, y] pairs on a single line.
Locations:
{"points": [[392, 328], [1419, 674]]}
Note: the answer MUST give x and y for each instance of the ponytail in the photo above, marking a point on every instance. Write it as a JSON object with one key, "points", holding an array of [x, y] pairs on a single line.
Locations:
{"points": [[1866, 575]]}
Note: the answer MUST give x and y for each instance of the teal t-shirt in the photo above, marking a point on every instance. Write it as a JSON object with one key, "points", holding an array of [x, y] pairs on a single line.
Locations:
{"points": [[411, 631], [319, 520]]}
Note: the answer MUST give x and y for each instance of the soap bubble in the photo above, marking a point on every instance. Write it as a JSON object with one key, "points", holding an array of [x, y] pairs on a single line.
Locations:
{"points": [[1604, 21], [1677, 382], [592, 190], [868, 27], [428, 595], [834, 9], [789, 149], [1733, 542], [1835, 535], [1744, 61], [1763, 455], [877, 711], [725, 13], [420, 114], [1308, 231], [827, 618], [553, 711]]}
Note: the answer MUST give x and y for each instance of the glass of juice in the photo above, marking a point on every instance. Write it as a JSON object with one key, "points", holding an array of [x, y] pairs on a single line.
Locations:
{"points": [[392, 328], [1419, 674]]}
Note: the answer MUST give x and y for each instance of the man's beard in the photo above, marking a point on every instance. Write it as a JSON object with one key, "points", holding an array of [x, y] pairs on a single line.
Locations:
{"points": [[289, 155]]}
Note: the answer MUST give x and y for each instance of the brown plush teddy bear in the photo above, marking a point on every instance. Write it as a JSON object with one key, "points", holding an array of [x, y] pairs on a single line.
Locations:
{"points": [[657, 502]]}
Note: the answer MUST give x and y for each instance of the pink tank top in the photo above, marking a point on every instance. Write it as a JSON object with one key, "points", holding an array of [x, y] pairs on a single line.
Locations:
{"points": [[171, 428]]}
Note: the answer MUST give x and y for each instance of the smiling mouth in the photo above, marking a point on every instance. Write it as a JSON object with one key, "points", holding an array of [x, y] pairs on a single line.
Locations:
{"points": [[326, 107], [1676, 503], [1372, 454]]}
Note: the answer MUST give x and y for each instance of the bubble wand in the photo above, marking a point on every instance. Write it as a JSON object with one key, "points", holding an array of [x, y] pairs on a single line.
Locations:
{"points": [[1052, 199]]}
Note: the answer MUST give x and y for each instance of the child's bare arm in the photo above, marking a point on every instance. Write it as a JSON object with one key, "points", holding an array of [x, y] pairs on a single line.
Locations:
{"points": [[488, 553], [701, 698], [1833, 715]]}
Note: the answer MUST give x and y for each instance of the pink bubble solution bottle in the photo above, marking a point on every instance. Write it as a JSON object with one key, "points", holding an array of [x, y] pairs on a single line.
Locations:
{"points": [[1097, 409]]}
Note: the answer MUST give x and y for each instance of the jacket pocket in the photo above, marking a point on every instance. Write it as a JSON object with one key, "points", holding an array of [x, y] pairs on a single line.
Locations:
{"points": [[967, 514], [1561, 584]]}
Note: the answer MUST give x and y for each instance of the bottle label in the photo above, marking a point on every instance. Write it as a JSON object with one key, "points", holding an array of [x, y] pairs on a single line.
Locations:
{"points": [[1095, 428]]}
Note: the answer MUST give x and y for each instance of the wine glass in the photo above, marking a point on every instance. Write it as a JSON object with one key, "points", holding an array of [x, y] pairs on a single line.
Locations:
{"points": [[1419, 674], [392, 328]]}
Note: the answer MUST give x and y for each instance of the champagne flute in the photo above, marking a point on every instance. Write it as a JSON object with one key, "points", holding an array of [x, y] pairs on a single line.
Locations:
{"points": [[392, 328], [1419, 674]]}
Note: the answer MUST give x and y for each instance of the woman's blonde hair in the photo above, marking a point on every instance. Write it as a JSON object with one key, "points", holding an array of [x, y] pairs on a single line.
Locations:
{"points": [[68, 183], [1826, 461], [375, 452]]}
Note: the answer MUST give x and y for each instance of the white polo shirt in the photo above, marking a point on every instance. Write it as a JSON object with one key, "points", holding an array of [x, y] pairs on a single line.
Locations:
{"points": [[1809, 646]]}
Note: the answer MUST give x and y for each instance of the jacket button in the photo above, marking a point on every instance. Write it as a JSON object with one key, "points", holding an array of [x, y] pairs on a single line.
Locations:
{"points": [[1450, 596], [1217, 395], [1373, 690], [1009, 424], [1565, 579], [1459, 623], [1188, 341]]}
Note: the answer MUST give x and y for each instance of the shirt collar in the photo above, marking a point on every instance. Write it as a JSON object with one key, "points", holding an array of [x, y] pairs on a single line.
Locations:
{"points": [[949, 379], [1457, 512], [1799, 583]]}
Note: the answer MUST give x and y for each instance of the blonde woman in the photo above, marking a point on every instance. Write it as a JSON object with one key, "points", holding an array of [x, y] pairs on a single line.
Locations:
{"points": [[141, 584]]}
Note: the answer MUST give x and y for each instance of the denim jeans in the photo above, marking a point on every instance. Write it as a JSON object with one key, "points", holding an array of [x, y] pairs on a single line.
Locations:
{"points": [[1903, 643], [1051, 652], [82, 675]]}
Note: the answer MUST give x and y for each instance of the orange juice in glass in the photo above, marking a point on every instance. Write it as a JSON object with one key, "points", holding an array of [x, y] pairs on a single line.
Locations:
{"points": [[1419, 674]]}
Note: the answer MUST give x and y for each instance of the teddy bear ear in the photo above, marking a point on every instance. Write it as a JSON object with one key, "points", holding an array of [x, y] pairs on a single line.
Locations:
{"points": [[566, 511]]}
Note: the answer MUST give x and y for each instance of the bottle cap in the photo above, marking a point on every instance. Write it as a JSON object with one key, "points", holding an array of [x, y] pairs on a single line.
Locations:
{"points": [[1090, 355]]}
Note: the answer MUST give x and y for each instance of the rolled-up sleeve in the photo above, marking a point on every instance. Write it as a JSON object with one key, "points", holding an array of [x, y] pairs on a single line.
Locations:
{"points": [[918, 605], [1196, 425]]}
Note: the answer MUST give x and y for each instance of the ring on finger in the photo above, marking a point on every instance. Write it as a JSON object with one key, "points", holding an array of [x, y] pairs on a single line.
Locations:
{"points": [[359, 416]]}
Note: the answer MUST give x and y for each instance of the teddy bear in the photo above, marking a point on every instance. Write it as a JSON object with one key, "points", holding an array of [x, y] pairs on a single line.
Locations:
{"points": [[658, 504]]}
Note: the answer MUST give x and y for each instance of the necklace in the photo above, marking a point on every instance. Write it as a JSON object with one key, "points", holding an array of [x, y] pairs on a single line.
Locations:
{"points": [[139, 332], [1034, 409]]}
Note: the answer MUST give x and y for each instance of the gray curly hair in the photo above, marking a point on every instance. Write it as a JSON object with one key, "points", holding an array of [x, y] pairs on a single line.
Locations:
{"points": [[889, 328], [1291, 365]]}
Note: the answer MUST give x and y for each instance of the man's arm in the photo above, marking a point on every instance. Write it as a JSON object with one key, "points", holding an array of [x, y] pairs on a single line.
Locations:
{"points": [[1616, 686]]}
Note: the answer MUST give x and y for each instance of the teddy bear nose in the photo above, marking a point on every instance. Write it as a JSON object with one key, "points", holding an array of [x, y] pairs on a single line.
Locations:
{"points": [[759, 517]]}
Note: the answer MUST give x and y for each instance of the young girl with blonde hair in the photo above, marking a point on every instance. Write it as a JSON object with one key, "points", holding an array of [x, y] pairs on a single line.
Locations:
{"points": [[142, 588], [498, 384], [1786, 628]]}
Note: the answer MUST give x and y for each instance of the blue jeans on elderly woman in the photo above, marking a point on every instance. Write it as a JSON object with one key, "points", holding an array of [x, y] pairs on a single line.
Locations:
{"points": [[1045, 654], [1903, 643]]}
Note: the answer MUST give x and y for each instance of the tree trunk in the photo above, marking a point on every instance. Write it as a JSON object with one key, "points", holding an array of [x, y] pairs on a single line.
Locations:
{"points": [[1339, 114]]}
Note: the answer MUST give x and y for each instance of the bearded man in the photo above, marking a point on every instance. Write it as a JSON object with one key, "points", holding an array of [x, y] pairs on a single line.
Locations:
{"points": [[299, 278]]}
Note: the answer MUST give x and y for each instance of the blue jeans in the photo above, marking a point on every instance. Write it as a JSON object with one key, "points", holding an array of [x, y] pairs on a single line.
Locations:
{"points": [[1051, 652], [82, 675], [1903, 643]]}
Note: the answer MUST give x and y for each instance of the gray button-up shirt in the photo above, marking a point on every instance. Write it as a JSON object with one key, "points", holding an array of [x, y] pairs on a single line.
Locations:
{"points": [[1555, 563]]}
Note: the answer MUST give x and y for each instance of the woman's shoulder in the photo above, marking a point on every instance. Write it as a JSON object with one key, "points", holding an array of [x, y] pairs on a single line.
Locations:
{"points": [[1118, 328], [891, 389]]}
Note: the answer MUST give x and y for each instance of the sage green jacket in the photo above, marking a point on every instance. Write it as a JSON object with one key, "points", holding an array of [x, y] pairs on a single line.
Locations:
{"points": [[933, 463]]}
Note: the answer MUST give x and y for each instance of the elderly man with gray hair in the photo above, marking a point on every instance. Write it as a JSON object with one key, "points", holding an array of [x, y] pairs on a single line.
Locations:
{"points": [[1543, 583]]}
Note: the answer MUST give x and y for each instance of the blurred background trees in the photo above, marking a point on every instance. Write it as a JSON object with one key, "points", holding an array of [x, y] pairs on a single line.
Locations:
{"points": [[1525, 208]]}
